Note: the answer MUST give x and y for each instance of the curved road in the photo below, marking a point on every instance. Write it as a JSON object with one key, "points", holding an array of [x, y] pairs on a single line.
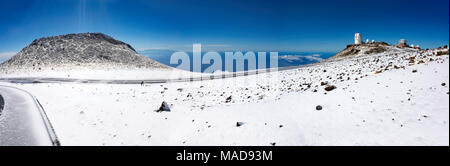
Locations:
{"points": [[32, 80], [23, 122]]}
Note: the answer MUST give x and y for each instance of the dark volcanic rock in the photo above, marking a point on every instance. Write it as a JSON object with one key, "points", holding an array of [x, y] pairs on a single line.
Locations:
{"points": [[164, 107], [440, 53], [318, 108], [228, 99], [376, 50], [355, 49], [84, 50], [330, 87]]}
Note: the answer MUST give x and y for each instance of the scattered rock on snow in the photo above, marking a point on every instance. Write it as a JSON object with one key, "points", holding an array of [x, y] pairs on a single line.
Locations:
{"points": [[412, 59], [319, 107], [238, 124], [330, 88], [164, 107], [228, 99]]}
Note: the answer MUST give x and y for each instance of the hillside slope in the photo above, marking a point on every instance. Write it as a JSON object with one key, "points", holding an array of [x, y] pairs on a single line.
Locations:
{"points": [[77, 54], [398, 97], [355, 50]]}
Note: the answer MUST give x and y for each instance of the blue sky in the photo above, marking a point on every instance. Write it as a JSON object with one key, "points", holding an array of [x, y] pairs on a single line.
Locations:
{"points": [[278, 25]]}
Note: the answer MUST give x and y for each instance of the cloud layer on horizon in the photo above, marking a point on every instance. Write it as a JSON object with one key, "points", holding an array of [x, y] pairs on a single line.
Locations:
{"points": [[6, 55], [292, 58]]}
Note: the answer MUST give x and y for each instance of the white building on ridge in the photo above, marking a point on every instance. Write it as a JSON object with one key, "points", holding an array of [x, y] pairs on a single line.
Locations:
{"points": [[358, 38]]}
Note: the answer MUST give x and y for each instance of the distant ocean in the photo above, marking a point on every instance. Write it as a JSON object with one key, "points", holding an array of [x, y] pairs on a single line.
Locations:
{"points": [[285, 59]]}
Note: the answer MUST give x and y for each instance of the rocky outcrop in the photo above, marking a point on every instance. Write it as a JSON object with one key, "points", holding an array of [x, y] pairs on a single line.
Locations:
{"points": [[362, 49], [77, 51]]}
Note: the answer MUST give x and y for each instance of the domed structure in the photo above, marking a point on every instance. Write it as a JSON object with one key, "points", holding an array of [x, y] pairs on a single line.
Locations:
{"points": [[402, 43], [358, 38]]}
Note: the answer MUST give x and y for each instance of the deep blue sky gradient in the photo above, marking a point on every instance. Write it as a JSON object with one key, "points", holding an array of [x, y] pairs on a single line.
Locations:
{"points": [[273, 25]]}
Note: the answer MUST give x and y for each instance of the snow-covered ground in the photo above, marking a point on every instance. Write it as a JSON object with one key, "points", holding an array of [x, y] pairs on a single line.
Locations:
{"points": [[100, 74], [382, 99]]}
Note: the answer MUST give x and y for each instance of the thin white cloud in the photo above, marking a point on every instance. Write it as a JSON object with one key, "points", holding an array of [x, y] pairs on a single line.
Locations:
{"points": [[208, 45], [313, 57], [289, 58], [153, 48], [6, 55], [216, 45], [205, 47], [292, 58]]}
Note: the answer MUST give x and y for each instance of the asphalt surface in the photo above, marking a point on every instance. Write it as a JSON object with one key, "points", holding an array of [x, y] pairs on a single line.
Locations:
{"points": [[23, 122], [34, 80]]}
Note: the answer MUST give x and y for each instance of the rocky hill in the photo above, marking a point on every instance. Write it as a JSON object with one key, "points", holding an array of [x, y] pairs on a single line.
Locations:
{"points": [[363, 49], [77, 51]]}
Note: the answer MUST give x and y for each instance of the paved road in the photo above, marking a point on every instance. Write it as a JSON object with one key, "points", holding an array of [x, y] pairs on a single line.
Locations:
{"points": [[33, 80], [22, 120]]}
